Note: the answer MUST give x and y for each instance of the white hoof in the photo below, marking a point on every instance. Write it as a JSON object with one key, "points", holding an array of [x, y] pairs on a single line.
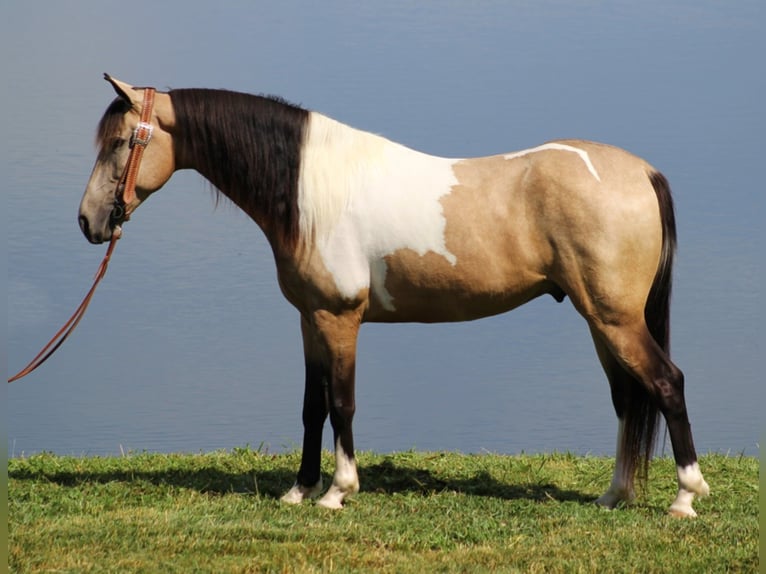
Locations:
{"points": [[331, 503], [682, 512], [334, 497], [682, 505], [690, 483], [298, 493]]}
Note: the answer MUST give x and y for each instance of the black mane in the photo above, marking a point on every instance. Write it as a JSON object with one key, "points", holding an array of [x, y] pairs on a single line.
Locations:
{"points": [[249, 148]]}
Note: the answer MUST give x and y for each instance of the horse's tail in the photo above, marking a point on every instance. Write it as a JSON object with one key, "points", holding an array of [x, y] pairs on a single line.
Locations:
{"points": [[642, 416], [657, 311]]}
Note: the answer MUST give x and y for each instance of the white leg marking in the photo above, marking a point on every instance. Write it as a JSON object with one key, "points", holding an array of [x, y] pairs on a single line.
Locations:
{"points": [[560, 147], [345, 482], [690, 482], [298, 493], [690, 478], [619, 490]]}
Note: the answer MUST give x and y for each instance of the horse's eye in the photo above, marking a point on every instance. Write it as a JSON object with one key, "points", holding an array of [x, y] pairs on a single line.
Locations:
{"points": [[117, 143]]}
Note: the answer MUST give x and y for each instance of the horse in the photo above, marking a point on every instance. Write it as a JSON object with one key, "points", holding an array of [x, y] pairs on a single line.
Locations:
{"points": [[364, 229]]}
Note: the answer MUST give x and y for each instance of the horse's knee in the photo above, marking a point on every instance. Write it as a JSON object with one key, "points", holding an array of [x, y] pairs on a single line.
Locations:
{"points": [[342, 413], [345, 408], [314, 415]]}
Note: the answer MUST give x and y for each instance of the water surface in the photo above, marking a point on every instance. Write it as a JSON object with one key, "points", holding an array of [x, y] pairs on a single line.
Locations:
{"points": [[189, 346]]}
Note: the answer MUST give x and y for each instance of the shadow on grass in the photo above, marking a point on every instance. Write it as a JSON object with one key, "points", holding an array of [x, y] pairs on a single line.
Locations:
{"points": [[269, 483], [386, 477], [390, 478]]}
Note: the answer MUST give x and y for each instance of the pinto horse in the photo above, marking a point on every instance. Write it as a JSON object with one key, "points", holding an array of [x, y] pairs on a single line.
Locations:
{"points": [[365, 229]]}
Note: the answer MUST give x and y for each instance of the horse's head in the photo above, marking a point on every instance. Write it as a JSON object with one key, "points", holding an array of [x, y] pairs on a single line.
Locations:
{"points": [[101, 209]]}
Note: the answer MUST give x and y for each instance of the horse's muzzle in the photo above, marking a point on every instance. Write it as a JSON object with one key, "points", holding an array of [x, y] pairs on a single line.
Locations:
{"points": [[85, 228], [95, 237]]}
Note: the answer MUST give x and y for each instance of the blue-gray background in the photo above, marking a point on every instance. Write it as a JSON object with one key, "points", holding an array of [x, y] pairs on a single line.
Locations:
{"points": [[189, 345]]}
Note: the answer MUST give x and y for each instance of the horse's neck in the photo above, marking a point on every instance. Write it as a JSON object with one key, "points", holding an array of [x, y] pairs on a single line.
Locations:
{"points": [[249, 148], [298, 191]]}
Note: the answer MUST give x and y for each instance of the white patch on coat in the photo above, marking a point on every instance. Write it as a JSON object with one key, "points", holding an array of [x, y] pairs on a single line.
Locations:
{"points": [[363, 197], [558, 147]]}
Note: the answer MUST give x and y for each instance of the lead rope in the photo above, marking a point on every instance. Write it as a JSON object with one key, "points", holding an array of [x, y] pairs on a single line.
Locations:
{"points": [[142, 134], [70, 325]]}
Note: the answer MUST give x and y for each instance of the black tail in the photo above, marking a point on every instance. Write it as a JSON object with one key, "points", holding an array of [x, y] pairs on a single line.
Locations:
{"points": [[642, 415], [657, 310]]}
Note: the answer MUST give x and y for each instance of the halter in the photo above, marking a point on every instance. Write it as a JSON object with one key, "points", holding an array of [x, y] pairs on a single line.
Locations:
{"points": [[125, 194], [124, 198]]}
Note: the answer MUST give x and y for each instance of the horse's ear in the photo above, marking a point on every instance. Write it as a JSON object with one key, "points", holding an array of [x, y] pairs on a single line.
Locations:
{"points": [[125, 91]]}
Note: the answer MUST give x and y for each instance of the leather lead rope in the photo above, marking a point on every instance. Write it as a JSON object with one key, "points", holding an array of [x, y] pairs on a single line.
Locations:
{"points": [[70, 325], [142, 134]]}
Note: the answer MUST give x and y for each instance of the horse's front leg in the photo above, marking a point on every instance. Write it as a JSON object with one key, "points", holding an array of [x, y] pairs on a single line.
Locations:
{"points": [[329, 344], [315, 401], [338, 336]]}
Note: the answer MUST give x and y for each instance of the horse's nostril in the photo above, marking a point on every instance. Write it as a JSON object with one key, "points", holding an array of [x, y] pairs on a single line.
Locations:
{"points": [[83, 221], [85, 227]]}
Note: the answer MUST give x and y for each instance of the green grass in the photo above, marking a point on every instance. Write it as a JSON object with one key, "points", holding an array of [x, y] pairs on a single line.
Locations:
{"points": [[417, 512]]}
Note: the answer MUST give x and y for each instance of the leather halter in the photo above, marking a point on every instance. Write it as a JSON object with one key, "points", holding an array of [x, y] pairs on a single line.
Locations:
{"points": [[124, 200], [125, 195]]}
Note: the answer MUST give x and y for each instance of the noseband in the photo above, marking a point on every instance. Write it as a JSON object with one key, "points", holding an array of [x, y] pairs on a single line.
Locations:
{"points": [[125, 194], [124, 204]]}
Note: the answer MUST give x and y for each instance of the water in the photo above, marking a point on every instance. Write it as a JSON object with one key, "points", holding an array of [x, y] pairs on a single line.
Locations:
{"points": [[189, 346]]}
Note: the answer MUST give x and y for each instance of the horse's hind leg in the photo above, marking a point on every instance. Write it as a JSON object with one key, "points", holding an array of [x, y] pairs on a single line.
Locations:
{"points": [[620, 381], [635, 349]]}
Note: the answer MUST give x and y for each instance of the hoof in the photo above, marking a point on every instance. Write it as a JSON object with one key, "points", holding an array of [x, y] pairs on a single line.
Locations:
{"points": [[690, 483], [292, 496], [682, 505], [298, 493], [332, 504], [335, 496], [606, 502], [611, 498], [680, 511]]}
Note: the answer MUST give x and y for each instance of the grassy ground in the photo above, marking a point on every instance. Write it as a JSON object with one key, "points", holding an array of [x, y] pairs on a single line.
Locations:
{"points": [[417, 512]]}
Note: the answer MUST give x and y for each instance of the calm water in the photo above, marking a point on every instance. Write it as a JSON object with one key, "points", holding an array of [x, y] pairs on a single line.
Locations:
{"points": [[189, 346]]}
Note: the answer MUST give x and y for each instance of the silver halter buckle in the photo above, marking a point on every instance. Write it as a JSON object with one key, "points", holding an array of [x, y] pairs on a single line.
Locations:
{"points": [[142, 141]]}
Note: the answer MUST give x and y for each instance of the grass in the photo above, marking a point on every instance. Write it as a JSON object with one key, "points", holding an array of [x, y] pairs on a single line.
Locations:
{"points": [[417, 512]]}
